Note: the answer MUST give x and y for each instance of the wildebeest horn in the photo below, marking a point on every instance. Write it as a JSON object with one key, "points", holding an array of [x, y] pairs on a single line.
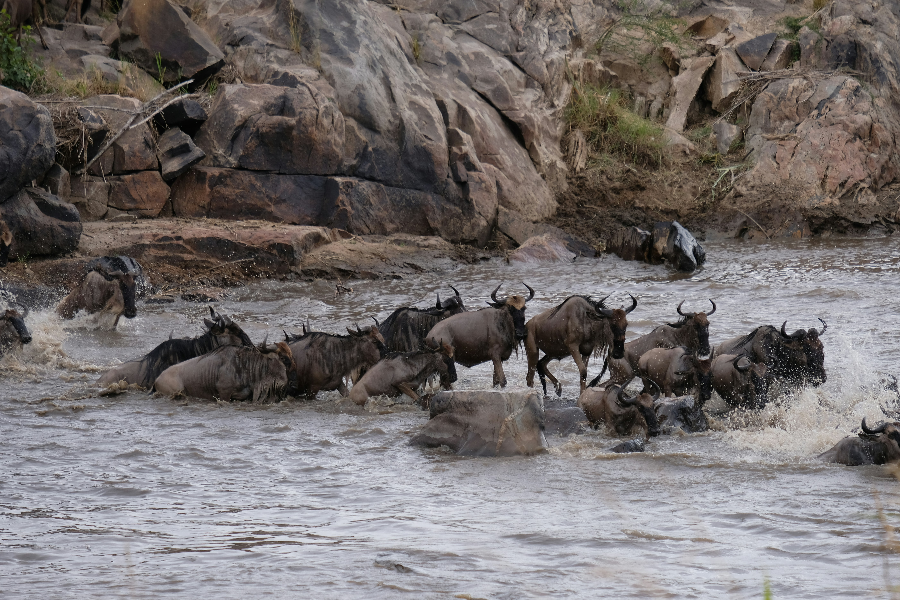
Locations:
{"points": [[658, 391], [878, 429], [713, 310], [494, 295], [785, 334], [624, 399], [286, 337], [679, 309], [351, 332], [438, 303], [530, 292], [456, 291], [633, 305], [738, 367], [377, 324], [265, 341], [824, 326]]}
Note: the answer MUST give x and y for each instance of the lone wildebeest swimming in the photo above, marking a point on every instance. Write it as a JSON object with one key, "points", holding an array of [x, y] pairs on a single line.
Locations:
{"points": [[107, 290], [872, 447], [231, 373], [324, 360], [489, 334], [220, 331], [577, 327], [621, 414], [691, 331], [403, 373], [13, 333], [406, 328]]}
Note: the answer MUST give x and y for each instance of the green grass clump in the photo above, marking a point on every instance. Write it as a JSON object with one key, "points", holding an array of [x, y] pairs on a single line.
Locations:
{"points": [[17, 69], [610, 128]]}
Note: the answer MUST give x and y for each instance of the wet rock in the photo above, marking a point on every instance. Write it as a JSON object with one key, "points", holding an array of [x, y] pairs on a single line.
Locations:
{"points": [[635, 445], [204, 294], [520, 230], [680, 414], [542, 249], [27, 142], [140, 194], [186, 114], [565, 421], [237, 194], [673, 244], [294, 131], [780, 56], [754, 51], [177, 153], [726, 135], [90, 197], [724, 82], [160, 28], [686, 86], [632, 243], [485, 423], [41, 224]]}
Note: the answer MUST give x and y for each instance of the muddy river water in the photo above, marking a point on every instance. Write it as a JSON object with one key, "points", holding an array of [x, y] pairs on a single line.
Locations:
{"points": [[141, 497]]}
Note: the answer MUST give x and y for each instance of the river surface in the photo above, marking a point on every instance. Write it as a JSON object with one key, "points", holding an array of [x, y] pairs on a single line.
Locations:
{"points": [[135, 496]]}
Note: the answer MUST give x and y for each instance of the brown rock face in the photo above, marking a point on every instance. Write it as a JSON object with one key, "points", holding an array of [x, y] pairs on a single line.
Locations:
{"points": [[141, 194], [27, 142], [177, 153], [148, 28], [133, 151], [41, 224], [295, 131], [542, 249], [686, 85], [724, 82]]}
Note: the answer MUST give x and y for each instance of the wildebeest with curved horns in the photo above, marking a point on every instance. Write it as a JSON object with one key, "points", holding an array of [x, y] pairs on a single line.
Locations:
{"points": [[323, 360], [872, 447], [13, 333], [231, 373], [740, 381], [107, 289], [677, 371], [405, 329], [577, 327], [691, 331], [489, 334], [626, 416], [220, 331], [795, 359], [403, 373]]}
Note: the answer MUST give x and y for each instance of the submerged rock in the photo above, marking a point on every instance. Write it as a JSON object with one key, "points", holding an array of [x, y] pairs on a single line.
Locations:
{"points": [[542, 249], [635, 445], [565, 421]]}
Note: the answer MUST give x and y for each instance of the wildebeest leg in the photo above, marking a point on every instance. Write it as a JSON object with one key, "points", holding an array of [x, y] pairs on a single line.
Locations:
{"points": [[544, 371], [499, 376], [596, 379], [582, 368], [404, 387]]}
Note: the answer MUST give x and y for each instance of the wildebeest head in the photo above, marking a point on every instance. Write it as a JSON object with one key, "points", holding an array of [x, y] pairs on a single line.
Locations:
{"points": [[643, 402], [452, 305], [226, 331], [618, 324], [373, 334], [12, 328], [891, 431], [810, 344], [126, 285], [515, 304], [447, 353], [6, 240], [699, 327], [759, 386]]}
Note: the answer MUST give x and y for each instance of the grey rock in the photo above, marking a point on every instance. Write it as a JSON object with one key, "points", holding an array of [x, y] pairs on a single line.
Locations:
{"points": [[186, 114], [27, 142], [673, 244], [724, 82], [542, 249], [635, 445], [632, 243], [57, 182], [780, 56], [726, 135], [686, 85], [41, 224], [177, 153], [565, 421], [754, 51], [132, 151], [520, 230]]}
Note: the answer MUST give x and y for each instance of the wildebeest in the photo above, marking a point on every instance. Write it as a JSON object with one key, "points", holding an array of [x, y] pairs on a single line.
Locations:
{"points": [[220, 331], [489, 334], [578, 327], [404, 372], [677, 371], [739, 381], [323, 360], [106, 289], [626, 416], [20, 11], [796, 359], [81, 7], [683, 413], [407, 327], [691, 331], [13, 333], [231, 373], [872, 447]]}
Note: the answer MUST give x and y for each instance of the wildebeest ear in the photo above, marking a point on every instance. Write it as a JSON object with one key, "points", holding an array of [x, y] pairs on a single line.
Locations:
{"points": [[448, 349], [212, 313], [351, 332], [209, 324]]}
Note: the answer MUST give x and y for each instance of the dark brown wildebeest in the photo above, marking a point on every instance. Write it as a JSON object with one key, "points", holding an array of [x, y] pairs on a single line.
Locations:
{"points": [[20, 11], [691, 331], [403, 373], [739, 381], [231, 373], [626, 416], [406, 328], [81, 7], [578, 327], [796, 359], [677, 371], [489, 334], [106, 290], [872, 447], [324, 360], [220, 331], [13, 333]]}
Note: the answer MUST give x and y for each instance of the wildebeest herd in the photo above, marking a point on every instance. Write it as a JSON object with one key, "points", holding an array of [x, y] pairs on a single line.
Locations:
{"points": [[676, 363]]}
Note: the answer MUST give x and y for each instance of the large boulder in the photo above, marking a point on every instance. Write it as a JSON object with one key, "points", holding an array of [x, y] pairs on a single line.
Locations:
{"points": [[295, 131], [485, 423], [686, 85], [41, 224], [141, 194], [724, 82], [542, 249], [160, 38], [27, 142], [177, 153], [134, 150]]}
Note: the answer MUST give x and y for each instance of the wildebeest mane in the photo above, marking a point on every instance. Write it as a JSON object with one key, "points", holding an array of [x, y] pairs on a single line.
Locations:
{"points": [[409, 323], [253, 364], [171, 352], [332, 355], [594, 304]]}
